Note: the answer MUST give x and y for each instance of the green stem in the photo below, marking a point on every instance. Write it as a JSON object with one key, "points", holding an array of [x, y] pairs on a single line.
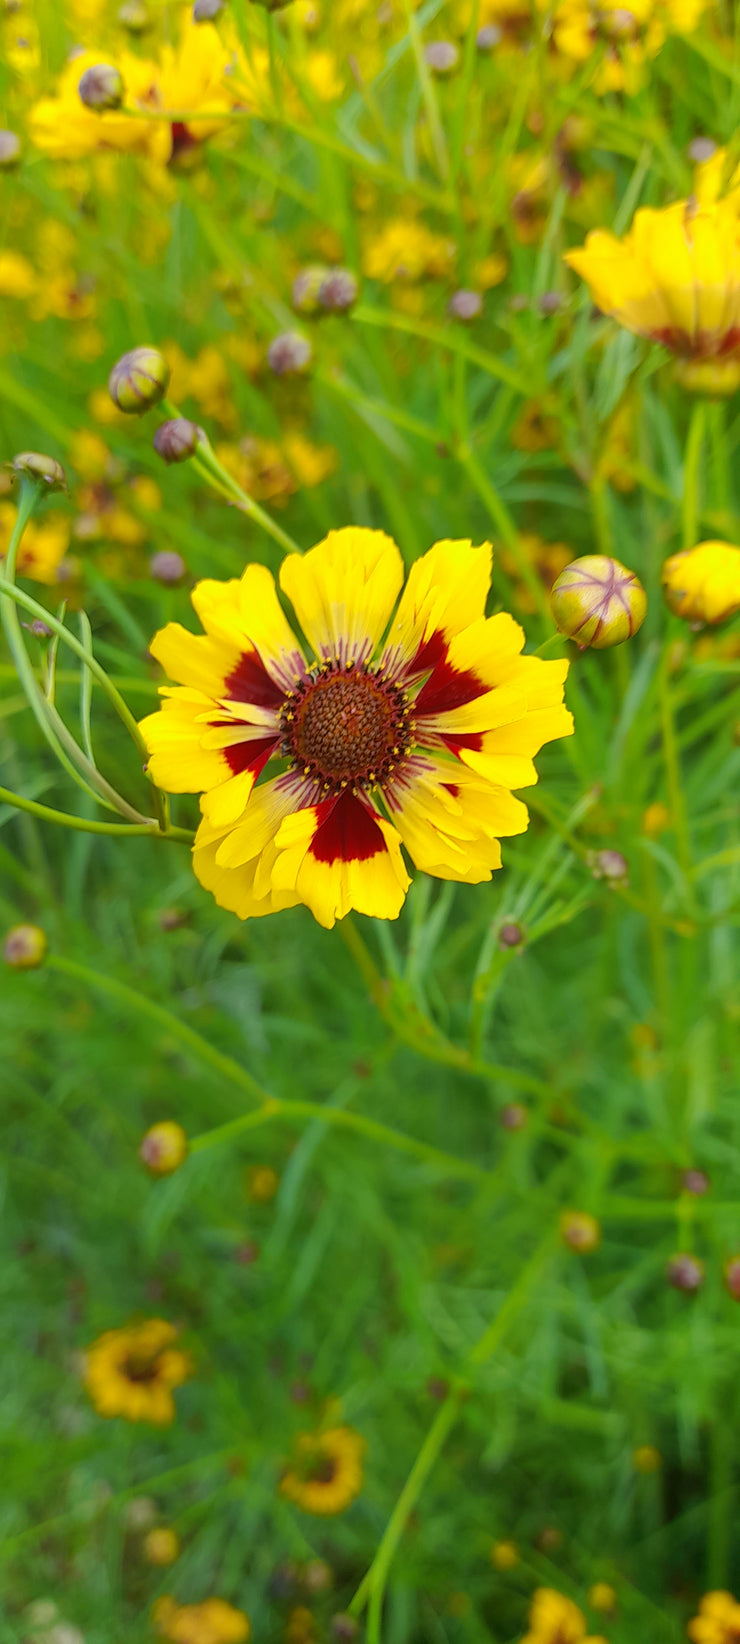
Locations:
{"points": [[208, 466], [83, 824], [504, 523], [672, 763], [694, 442]]}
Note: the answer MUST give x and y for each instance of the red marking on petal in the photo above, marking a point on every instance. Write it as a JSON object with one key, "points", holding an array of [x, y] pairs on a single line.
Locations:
{"points": [[474, 740], [347, 832], [181, 137], [448, 688], [249, 681], [430, 652], [250, 756]]}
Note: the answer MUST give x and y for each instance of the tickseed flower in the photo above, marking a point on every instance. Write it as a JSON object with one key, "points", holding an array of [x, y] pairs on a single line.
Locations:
{"points": [[718, 1621], [326, 1472], [675, 278], [161, 1545], [415, 741], [131, 1372], [555, 1619], [596, 601], [212, 1622], [702, 584]]}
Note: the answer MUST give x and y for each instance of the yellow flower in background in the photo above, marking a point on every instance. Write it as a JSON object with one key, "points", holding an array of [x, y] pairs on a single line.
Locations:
{"points": [[211, 1622], [131, 1372], [718, 1621], [326, 1472], [17, 275], [555, 1619], [417, 741], [702, 584], [45, 543], [675, 278], [404, 249]]}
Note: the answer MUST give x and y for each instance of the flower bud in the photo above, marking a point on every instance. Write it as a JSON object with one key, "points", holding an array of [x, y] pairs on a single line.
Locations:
{"points": [[261, 1183], [510, 936], [609, 865], [344, 1628], [139, 380], [206, 11], [338, 291], [178, 439], [289, 354], [164, 1148], [101, 88], [602, 1597], [318, 1576], [10, 149], [504, 1555], [580, 1231], [596, 601], [696, 1182], [489, 37], [702, 584], [514, 1116], [139, 1513], [442, 56], [168, 567], [24, 947], [732, 1276], [35, 465], [135, 16], [161, 1546], [685, 1272], [465, 305], [701, 149], [716, 379], [646, 1459], [306, 287]]}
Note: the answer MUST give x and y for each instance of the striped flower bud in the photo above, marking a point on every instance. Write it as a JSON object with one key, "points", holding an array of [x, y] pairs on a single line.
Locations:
{"points": [[101, 88], [139, 380], [177, 439], [596, 601], [36, 465]]}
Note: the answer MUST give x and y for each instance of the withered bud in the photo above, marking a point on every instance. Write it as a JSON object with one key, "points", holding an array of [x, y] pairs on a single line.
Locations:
{"points": [[168, 567], [596, 601], [178, 439], [139, 380], [289, 354], [465, 305], [101, 88], [35, 465], [338, 291], [609, 865], [135, 16], [164, 1148], [685, 1272], [345, 1628], [173, 919], [246, 1254], [24, 947], [271, 5], [510, 936], [10, 148], [206, 11], [39, 629], [306, 287], [442, 56]]}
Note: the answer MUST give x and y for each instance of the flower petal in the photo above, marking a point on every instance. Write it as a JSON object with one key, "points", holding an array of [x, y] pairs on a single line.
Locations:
{"points": [[446, 591], [343, 591], [339, 855], [246, 614]]}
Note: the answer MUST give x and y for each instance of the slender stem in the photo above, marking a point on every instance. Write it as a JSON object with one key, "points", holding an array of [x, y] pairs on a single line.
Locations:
{"points": [[208, 466], [83, 824], [694, 442], [672, 764]]}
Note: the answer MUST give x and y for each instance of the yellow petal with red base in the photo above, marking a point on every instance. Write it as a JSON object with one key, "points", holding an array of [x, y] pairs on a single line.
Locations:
{"points": [[446, 590], [339, 855]]}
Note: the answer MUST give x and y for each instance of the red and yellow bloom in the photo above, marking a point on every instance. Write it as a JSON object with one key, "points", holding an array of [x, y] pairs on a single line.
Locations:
{"points": [[408, 729]]}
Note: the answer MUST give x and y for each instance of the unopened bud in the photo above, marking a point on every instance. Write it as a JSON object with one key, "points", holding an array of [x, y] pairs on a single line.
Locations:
{"points": [[550, 302], [318, 1576], [602, 1597], [646, 1459], [696, 1182], [702, 584], [289, 354], [206, 11], [596, 601], [465, 305], [344, 1628], [10, 148], [442, 56], [609, 865], [139, 380], [135, 16], [510, 936], [24, 947], [732, 1276], [35, 465], [178, 439], [168, 567], [161, 1546], [701, 149], [164, 1148], [39, 629], [685, 1272], [514, 1116], [101, 88], [504, 1555], [338, 291], [580, 1231], [306, 287], [489, 37]]}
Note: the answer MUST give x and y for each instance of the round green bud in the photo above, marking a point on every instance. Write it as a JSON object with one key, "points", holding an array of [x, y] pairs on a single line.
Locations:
{"points": [[164, 1148], [24, 947], [35, 465], [139, 380], [596, 601], [177, 439], [101, 88], [10, 148]]}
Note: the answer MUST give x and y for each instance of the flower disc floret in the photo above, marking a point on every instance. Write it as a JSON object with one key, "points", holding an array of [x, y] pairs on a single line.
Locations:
{"points": [[346, 726]]}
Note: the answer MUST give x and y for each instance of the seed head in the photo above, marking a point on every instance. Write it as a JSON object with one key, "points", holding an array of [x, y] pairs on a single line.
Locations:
{"points": [[696, 1182], [164, 1148], [580, 1231], [10, 149], [289, 354], [489, 37], [318, 1576], [685, 1272], [701, 149], [177, 439], [168, 567], [596, 601], [465, 305], [306, 287], [35, 465], [101, 88], [338, 291], [24, 947], [442, 56], [139, 380]]}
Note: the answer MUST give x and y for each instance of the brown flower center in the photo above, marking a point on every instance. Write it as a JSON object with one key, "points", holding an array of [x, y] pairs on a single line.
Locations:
{"points": [[345, 725], [140, 1367]]}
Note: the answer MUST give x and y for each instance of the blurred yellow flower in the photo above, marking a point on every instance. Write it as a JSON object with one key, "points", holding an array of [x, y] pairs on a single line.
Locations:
{"points": [[404, 249], [131, 1372], [702, 584], [45, 543], [555, 1619], [326, 1471], [161, 1545], [718, 1621], [646, 1459], [212, 1622], [504, 1555], [17, 276]]}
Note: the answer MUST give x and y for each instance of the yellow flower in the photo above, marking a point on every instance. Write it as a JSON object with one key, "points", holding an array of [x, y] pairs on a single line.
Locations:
{"points": [[45, 543], [407, 250], [418, 741], [702, 584], [262, 1183], [17, 277], [675, 278], [326, 1472], [161, 1545], [555, 1619], [212, 1622], [504, 1555], [718, 1621], [131, 1372]]}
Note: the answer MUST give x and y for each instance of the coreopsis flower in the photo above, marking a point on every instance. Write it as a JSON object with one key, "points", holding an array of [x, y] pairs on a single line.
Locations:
{"points": [[211, 1622], [131, 1372], [326, 1472], [718, 1621], [555, 1619], [415, 740], [702, 584], [405, 249], [43, 546], [675, 278]]}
